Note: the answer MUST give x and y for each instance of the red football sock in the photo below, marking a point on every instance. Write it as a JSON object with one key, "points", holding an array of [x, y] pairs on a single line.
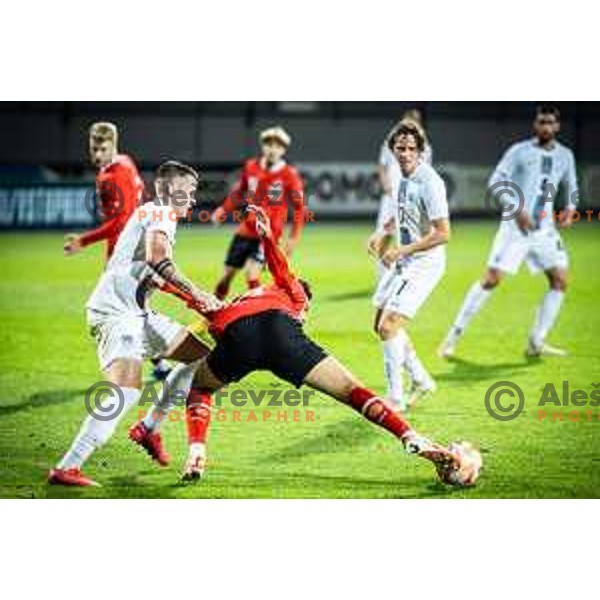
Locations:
{"points": [[222, 290], [378, 411], [253, 283], [197, 413]]}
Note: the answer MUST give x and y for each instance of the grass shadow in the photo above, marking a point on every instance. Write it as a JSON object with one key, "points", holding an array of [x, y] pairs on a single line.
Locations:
{"points": [[42, 399], [340, 436], [465, 370], [349, 296]]}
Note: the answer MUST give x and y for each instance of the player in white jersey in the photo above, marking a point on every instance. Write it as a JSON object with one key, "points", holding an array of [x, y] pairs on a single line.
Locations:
{"points": [[535, 170], [126, 330], [388, 168], [419, 217]]}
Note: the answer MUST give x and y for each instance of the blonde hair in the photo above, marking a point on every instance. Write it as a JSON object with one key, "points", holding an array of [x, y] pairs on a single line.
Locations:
{"points": [[104, 132], [276, 133]]}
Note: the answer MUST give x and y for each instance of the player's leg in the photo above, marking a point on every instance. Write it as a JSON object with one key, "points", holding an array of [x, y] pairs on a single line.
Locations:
{"points": [[474, 301], [391, 331], [97, 429], [160, 368], [547, 315], [253, 271], [120, 345], [193, 383], [548, 254], [255, 264], [422, 383], [178, 344], [387, 326], [509, 249], [398, 299], [224, 284], [332, 378], [238, 253]]}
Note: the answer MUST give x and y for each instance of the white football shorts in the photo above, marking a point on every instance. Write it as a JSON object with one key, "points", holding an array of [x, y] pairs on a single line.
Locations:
{"points": [[541, 250], [134, 336], [404, 290]]}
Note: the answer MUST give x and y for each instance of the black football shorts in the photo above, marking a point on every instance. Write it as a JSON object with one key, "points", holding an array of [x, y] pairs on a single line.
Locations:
{"points": [[269, 341]]}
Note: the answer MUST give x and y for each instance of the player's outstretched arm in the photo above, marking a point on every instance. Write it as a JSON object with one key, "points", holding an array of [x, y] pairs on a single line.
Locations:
{"points": [[276, 261], [74, 243], [158, 257], [111, 197]]}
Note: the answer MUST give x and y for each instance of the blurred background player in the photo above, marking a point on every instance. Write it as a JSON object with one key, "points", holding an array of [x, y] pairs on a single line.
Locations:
{"points": [[537, 166], [119, 191], [388, 170], [418, 215], [275, 185], [126, 331], [263, 330]]}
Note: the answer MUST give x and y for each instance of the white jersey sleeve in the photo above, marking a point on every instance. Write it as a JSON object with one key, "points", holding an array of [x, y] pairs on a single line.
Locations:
{"points": [[572, 185], [506, 167], [435, 198], [164, 219]]}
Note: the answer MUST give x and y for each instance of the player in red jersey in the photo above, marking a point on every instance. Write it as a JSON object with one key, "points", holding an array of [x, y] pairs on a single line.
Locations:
{"points": [[270, 182], [262, 330], [119, 189]]}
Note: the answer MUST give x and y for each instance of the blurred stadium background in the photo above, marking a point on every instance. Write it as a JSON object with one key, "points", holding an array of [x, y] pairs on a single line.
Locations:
{"points": [[43, 148]]}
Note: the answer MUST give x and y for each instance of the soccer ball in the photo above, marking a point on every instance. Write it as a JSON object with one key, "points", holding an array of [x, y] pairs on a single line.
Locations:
{"points": [[470, 465]]}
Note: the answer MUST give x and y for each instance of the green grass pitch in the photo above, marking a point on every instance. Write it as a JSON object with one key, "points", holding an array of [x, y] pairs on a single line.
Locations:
{"points": [[47, 361]]}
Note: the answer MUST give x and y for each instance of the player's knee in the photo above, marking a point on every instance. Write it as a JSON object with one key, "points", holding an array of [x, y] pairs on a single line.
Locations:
{"points": [[491, 280], [559, 282], [228, 276], [389, 328]]}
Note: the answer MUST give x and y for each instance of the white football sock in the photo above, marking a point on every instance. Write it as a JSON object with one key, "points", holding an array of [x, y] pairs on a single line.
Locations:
{"points": [[472, 304], [95, 433], [546, 316], [393, 360], [381, 270], [177, 387], [413, 365], [161, 364], [197, 450]]}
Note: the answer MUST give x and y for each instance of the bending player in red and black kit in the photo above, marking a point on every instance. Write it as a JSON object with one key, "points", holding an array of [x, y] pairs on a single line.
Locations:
{"points": [[262, 330], [269, 182], [119, 190]]}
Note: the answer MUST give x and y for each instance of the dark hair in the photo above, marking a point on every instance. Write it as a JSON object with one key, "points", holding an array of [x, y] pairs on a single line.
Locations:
{"points": [[307, 289], [407, 128], [548, 109], [172, 168]]}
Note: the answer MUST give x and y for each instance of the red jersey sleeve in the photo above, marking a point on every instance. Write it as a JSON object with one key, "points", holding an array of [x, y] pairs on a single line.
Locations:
{"points": [[295, 193], [283, 277], [110, 196]]}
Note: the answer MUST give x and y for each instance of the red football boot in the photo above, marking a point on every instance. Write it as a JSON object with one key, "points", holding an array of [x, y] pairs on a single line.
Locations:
{"points": [[70, 477], [150, 442]]}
